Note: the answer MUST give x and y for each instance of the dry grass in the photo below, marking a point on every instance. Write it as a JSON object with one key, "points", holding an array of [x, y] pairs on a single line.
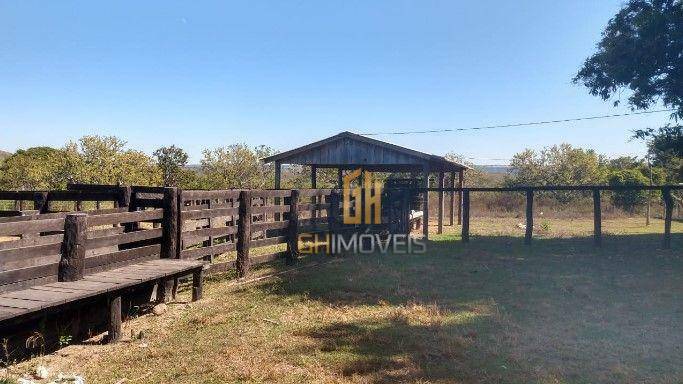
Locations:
{"points": [[492, 311]]}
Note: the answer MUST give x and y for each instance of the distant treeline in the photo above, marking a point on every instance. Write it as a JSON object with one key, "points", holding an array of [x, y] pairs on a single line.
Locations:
{"points": [[107, 160]]}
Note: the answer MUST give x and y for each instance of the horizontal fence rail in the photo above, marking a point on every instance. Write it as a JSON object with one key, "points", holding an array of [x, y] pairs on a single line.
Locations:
{"points": [[529, 191]]}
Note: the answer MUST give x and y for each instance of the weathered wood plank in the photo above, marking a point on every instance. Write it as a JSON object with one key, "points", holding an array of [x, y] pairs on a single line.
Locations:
{"points": [[126, 217], [124, 238], [200, 252]]}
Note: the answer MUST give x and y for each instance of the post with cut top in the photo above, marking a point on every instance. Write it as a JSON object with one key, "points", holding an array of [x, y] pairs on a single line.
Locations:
{"points": [[169, 225], [243, 234], [114, 318], [72, 262], [293, 228]]}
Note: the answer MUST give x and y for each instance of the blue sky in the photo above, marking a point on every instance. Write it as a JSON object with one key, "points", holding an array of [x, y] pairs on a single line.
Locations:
{"points": [[202, 74]]}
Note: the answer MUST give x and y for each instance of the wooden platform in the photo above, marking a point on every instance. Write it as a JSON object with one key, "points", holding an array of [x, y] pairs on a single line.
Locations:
{"points": [[25, 302]]}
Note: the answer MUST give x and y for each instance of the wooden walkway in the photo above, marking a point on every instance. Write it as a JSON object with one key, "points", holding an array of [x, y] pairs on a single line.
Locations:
{"points": [[37, 298]]}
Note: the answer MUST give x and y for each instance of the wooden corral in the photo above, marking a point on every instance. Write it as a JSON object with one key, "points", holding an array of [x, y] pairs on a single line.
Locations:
{"points": [[60, 264], [348, 151]]}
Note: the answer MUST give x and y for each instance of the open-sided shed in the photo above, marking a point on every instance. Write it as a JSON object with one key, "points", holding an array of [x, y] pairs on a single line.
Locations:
{"points": [[350, 151]]}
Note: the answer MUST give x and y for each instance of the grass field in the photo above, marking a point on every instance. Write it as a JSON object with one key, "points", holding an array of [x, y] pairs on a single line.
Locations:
{"points": [[492, 311]]}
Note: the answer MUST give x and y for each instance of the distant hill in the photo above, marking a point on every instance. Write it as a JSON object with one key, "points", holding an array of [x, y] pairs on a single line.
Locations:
{"points": [[4, 155], [494, 169]]}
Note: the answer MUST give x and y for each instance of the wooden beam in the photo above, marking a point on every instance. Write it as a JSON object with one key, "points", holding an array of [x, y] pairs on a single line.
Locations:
{"points": [[425, 213], [278, 184], [340, 178], [314, 185], [461, 183], [278, 175], [314, 172], [451, 202], [441, 201]]}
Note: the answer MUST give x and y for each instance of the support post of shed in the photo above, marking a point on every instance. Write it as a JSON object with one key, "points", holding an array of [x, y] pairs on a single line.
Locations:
{"points": [[440, 208], [278, 174], [278, 182], [425, 213], [314, 199], [461, 183], [340, 178], [451, 203]]}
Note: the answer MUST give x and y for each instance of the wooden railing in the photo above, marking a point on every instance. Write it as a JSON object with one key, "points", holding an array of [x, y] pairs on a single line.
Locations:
{"points": [[595, 190], [247, 222], [36, 247]]}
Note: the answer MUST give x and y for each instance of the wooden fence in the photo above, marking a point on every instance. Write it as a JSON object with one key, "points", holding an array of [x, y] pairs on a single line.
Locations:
{"points": [[530, 191], [229, 229], [34, 245], [246, 222]]}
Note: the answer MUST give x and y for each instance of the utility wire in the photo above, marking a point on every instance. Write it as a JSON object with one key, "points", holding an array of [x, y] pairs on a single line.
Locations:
{"points": [[518, 124]]}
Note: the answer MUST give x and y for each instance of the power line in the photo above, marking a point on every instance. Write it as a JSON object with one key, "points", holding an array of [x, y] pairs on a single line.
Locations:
{"points": [[518, 124]]}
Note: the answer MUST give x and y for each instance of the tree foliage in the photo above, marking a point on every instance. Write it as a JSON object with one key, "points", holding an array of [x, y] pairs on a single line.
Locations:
{"points": [[171, 161], [557, 165], [641, 50], [665, 147], [37, 168], [628, 199], [237, 166], [105, 160]]}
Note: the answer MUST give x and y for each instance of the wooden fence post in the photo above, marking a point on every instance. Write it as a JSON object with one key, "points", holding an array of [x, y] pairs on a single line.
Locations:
{"points": [[169, 224], [72, 263], [333, 212], [123, 201], [440, 207], [668, 212], [293, 227], [597, 218], [243, 234], [529, 216], [465, 215], [40, 202], [114, 318]]}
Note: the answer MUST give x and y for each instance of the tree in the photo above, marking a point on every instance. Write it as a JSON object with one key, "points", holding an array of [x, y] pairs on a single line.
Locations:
{"points": [[557, 165], [104, 160], [237, 166], [37, 168], [171, 161], [641, 51], [628, 199], [665, 147]]}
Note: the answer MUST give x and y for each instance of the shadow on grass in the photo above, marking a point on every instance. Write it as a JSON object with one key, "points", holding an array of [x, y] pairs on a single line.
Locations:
{"points": [[495, 310]]}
